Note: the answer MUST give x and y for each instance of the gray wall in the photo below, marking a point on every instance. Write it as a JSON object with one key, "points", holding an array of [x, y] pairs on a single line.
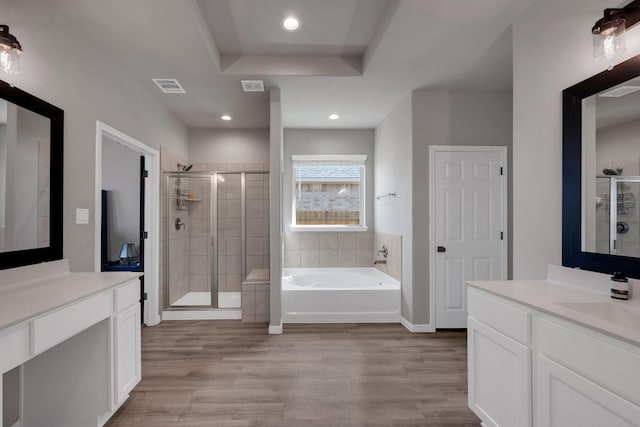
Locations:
{"points": [[228, 145], [423, 119], [62, 67], [545, 63], [121, 177], [617, 146], [275, 209], [449, 118], [392, 169], [327, 141]]}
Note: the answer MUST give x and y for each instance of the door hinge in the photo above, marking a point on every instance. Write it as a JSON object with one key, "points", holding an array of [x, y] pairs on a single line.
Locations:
{"points": [[145, 297], [144, 235], [145, 174], [501, 170], [502, 235]]}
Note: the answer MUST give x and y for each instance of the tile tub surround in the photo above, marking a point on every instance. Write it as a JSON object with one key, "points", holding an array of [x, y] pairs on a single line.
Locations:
{"points": [[328, 249], [393, 242]]}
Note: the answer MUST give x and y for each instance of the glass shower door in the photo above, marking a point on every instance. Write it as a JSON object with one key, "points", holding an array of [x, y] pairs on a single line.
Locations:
{"points": [[189, 262], [229, 238]]}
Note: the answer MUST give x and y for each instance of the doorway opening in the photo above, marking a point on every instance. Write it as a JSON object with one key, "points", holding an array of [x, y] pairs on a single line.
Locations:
{"points": [[127, 220]]}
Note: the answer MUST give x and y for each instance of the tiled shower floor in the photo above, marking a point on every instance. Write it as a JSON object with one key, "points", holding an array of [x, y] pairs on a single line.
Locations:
{"points": [[225, 299]]}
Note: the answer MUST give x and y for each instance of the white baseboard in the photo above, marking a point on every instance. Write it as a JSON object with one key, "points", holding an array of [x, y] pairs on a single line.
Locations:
{"points": [[416, 328], [202, 315], [275, 329]]}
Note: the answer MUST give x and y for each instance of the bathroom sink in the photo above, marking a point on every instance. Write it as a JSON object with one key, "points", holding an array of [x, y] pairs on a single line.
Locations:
{"points": [[610, 312]]}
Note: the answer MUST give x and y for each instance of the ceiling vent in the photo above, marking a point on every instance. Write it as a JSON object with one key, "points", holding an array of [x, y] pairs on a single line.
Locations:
{"points": [[169, 85], [252, 85], [619, 91]]}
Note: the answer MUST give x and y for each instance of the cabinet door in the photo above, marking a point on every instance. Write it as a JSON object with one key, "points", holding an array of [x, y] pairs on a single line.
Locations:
{"points": [[564, 398], [499, 377], [127, 353]]}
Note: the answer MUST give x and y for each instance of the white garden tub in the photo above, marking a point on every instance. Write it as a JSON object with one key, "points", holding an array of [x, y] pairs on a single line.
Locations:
{"points": [[339, 295]]}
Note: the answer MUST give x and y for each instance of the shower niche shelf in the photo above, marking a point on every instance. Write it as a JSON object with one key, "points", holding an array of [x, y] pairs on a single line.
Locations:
{"points": [[182, 198]]}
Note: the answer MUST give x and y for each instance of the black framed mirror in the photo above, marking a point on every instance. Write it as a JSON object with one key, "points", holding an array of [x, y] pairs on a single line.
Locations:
{"points": [[601, 191], [31, 160]]}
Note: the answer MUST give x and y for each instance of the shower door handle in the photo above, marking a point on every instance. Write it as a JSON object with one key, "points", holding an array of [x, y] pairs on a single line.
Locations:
{"points": [[442, 249]]}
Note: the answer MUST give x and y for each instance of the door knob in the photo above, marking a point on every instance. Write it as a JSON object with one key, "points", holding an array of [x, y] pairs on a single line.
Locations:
{"points": [[442, 249]]}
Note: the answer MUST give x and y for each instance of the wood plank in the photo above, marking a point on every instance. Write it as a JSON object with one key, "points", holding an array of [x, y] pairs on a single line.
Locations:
{"points": [[228, 373]]}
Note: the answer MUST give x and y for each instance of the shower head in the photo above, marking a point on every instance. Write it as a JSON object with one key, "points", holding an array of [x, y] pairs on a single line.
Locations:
{"points": [[184, 168]]}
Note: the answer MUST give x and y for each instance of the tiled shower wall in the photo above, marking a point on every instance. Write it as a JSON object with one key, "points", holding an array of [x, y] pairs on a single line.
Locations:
{"points": [[229, 234], [257, 221], [198, 225], [328, 249]]}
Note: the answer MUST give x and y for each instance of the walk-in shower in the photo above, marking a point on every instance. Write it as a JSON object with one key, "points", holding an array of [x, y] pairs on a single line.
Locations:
{"points": [[618, 215], [217, 237]]}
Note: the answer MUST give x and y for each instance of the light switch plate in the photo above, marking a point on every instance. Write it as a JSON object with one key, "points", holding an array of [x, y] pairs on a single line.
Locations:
{"points": [[82, 216]]}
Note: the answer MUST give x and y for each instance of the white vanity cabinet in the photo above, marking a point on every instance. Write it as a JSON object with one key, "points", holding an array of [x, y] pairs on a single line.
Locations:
{"points": [[127, 353], [531, 368], [74, 340], [499, 361], [584, 378]]}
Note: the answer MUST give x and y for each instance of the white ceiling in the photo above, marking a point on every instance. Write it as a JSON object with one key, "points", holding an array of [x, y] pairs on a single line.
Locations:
{"points": [[357, 58]]}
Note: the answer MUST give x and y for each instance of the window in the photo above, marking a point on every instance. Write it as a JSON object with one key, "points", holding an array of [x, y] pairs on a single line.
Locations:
{"points": [[328, 192]]}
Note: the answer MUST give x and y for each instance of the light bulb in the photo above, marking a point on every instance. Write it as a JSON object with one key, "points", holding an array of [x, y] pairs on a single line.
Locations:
{"points": [[291, 23], [609, 40], [9, 59]]}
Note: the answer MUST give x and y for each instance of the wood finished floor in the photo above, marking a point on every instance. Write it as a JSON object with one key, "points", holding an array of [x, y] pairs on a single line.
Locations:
{"points": [[230, 374]]}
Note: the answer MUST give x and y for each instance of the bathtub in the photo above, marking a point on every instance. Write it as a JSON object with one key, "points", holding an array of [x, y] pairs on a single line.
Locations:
{"points": [[339, 295]]}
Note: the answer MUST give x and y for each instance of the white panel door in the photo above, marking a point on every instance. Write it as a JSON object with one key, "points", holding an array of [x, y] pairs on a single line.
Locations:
{"points": [[469, 222]]}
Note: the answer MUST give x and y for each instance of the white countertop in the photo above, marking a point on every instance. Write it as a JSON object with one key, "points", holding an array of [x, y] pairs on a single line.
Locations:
{"points": [[619, 319], [28, 300]]}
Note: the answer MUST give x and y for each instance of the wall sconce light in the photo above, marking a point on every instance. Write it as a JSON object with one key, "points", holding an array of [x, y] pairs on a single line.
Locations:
{"points": [[609, 32], [10, 51]]}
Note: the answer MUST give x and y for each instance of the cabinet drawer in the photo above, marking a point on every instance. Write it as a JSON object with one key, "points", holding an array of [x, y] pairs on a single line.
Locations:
{"points": [[52, 329], [127, 295], [501, 316], [592, 356], [14, 343]]}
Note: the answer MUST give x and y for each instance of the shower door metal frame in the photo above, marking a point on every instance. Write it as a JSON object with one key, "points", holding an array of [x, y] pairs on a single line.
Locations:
{"points": [[213, 239], [213, 233]]}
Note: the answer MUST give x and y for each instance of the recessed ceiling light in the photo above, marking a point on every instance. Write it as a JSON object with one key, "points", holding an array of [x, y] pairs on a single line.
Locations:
{"points": [[334, 117], [226, 117], [291, 23]]}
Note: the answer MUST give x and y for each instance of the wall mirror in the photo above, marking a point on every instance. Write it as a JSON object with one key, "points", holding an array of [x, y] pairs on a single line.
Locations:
{"points": [[31, 141], [601, 171]]}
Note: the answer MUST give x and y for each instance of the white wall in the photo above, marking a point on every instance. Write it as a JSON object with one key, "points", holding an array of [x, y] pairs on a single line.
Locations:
{"points": [[552, 50], [60, 66], [328, 141], [228, 145], [392, 172], [121, 177]]}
